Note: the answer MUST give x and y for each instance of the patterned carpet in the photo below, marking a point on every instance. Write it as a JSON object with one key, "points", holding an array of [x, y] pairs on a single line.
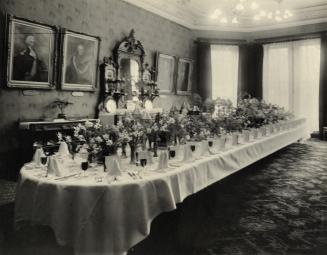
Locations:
{"points": [[7, 192], [276, 206]]}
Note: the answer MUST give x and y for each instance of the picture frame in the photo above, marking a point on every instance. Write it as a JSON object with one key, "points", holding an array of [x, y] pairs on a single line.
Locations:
{"points": [[166, 73], [31, 54], [79, 61], [184, 76], [110, 69]]}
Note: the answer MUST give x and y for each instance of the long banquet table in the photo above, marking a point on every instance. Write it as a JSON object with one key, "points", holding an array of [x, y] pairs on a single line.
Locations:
{"points": [[109, 218]]}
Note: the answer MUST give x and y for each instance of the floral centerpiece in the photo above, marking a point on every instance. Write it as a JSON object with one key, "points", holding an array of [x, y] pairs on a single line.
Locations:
{"points": [[133, 133], [163, 129], [94, 138], [257, 113], [226, 116], [168, 128], [196, 127]]}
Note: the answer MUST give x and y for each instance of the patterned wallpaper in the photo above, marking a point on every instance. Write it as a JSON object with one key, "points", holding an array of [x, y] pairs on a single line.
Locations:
{"points": [[111, 20]]}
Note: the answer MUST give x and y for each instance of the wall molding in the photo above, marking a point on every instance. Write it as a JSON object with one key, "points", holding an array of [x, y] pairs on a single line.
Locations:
{"points": [[317, 14]]}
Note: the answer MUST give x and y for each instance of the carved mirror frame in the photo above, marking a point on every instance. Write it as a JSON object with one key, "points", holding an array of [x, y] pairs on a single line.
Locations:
{"points": [[130, 48]]}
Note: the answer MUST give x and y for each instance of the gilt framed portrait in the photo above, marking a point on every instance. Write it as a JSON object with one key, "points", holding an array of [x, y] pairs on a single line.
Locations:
{"points": [[184, 76], [31, 55], [79, 61], [166, 66]]}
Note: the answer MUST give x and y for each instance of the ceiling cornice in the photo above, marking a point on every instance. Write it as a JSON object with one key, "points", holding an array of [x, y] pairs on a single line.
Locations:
{"points": [[161, 13], [318, 14], [261, 28]]}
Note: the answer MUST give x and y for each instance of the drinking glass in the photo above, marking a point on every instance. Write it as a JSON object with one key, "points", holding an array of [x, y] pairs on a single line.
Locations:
{"points": [[143, 162], [172, 154], [44, 161], [84, 166]]}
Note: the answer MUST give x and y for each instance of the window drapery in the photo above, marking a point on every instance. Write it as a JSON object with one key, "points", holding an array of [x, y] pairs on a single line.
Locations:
{"points": [[224, 71], [291, 72]]}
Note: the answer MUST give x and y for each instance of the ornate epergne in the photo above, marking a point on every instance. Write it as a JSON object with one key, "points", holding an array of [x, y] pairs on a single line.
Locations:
{"points": [[115, 87], [149, 89]]}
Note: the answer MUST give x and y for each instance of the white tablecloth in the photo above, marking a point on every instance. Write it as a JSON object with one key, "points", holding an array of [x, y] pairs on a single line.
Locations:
{"points": [[101, 218]]}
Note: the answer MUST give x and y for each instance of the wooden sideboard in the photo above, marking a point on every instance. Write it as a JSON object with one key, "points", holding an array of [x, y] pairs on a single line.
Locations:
{"points": [[43, 131]]}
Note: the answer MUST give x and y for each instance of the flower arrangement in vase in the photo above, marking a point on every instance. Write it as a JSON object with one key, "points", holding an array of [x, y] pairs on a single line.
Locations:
{"points": [[93, 137], [134, 133]]}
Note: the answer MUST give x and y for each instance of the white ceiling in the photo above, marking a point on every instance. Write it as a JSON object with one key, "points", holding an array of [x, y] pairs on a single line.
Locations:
{"points": [[195, 14]]}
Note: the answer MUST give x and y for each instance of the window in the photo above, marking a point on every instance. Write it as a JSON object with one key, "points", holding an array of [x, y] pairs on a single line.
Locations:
{"points": [[224, 64], [291, 78]]}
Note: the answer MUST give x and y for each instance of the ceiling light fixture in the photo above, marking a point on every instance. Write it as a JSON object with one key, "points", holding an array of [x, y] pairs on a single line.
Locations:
{"points": [[234, 11], [254, 6], [224, 20], [239, 7], [216, 14], [235, 20]]}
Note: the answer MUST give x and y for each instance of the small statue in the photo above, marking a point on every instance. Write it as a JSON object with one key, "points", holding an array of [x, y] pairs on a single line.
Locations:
{"points": [[61, 105]]}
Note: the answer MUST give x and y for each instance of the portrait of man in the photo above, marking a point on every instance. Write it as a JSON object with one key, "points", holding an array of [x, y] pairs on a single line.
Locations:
{"points": [[27, 65], [79, 61], [79, 68], [31, 55]]}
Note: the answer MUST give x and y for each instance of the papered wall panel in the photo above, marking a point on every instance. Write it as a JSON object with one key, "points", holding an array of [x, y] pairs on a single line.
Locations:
{"points": [[112, 20]]}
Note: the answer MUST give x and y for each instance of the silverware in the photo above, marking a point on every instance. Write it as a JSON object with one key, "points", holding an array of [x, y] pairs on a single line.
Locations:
{"points": [[66, 177]]}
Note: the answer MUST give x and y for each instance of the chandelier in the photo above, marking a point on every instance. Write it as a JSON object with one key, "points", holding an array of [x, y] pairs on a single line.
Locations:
{"points": [[232, 12]]}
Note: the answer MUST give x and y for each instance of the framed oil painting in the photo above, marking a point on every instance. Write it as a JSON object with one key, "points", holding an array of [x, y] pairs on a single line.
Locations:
{"points": [[31, 56], [184, 76], [79, 61], [166, 65]]}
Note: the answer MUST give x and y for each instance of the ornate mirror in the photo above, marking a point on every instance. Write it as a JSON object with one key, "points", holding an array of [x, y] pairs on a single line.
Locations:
{"points": [[129, 57]]}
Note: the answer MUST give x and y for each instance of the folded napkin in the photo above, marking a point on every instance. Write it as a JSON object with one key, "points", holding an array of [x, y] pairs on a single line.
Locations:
{"points": [[63, 149], [246, 136], [56, 167], [179, 152], [204, 148], [143, 154], [113, 165], [255, 133], [221, 143], [163, 160], [187, 153], [235, 139], [37, 156], [150, 158], [228, 141]]}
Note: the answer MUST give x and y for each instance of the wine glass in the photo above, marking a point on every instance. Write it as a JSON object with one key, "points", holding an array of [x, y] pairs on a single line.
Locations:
{"points": [[84, 166], [143, 162], [137, 162], [44, 161], [172, 154]]}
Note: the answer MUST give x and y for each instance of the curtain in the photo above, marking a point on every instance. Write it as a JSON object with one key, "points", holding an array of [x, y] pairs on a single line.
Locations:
{"points": [[323, 84], [204, 70], [277, 74], [306, 81], [291, 72], [250, 70], [224, 71]]}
